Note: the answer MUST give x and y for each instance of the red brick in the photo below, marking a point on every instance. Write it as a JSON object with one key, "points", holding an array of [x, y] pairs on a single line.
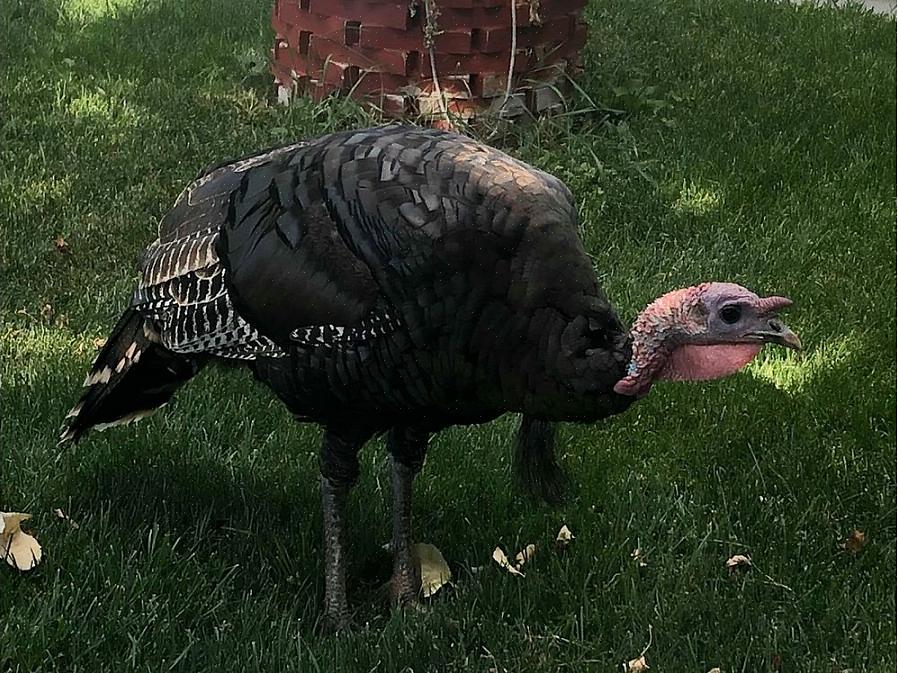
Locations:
{"points": [[492, 40], [281, 73], [489, 85], [385, 60], [557, 30], [378, 82], [447, 4], [458, 86], [301, 64], [577, 40], [281, 29], [331, 74], [377, 13], [330, 26], [390, 104], [277, 48], [289, 12], [457, 64], [450, 41], [479, 17], [553, 8]]}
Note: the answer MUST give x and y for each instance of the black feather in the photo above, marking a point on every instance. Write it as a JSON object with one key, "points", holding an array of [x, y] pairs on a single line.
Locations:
{"points": [[131, 378], [534, 465]]}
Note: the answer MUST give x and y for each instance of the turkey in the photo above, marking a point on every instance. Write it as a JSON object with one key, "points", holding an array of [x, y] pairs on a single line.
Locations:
{"points": [[401, 280]]}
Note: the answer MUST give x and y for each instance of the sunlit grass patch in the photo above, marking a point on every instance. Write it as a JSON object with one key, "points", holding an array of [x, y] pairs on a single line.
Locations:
{"points": [[38, 191], [697, 199], [99, 106], [43, 347], [795, 373], [97, 9]]}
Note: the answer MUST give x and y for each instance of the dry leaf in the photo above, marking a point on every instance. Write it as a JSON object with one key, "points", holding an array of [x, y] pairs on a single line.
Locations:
{"points": [[61, 245], [20, 549], [637, 665], [564, 537], [639, 556], [65, 517], [432, 566], [715, 670], [856, 541], [500, 558], [524, 555], [738, 560], [46, 312], [99, 342]]}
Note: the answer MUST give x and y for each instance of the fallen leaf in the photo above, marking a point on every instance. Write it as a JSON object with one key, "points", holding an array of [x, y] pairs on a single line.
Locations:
{"points": [[856, 541], [564, 537], [524, 555], [60, 244], [715, 670], [20, 549], [739, 561], [637, 665], [432, 566], [639, 557], [46, 312], [65, 517], [500, 558], [776, 662], [99, 342]]}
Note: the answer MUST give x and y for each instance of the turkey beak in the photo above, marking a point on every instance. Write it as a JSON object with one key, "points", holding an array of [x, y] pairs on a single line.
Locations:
{"points": [[776, 332]]}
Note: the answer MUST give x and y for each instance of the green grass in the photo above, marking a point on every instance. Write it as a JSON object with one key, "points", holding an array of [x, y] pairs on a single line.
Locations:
{"points": [[758, 146]]}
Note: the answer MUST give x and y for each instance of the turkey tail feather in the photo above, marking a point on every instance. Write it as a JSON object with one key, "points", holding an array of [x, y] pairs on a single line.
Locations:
{"points": [[132, 377]]}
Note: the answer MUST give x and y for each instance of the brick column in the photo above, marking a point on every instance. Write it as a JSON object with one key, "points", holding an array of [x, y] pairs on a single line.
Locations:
{"points": [[385, 53]]}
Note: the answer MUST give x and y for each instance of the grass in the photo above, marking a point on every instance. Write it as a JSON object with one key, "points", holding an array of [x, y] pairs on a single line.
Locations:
{"points": [[757, 145]]}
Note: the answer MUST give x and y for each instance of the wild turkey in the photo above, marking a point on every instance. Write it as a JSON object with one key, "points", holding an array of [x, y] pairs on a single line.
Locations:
{"points": [[401, 280]]}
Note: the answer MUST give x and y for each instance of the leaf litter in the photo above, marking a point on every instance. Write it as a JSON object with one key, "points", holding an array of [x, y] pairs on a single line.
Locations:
{"points": [[855, 542], [500, 558], [639, 664], [433, 569], [18, 548], [564, 537]]}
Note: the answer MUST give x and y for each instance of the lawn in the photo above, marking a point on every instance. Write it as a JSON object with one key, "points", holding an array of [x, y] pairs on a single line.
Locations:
{"points": [[755, 143]]}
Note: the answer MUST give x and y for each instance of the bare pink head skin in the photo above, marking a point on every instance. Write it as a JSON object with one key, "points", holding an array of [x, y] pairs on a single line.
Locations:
{"points": [[700, 333]]}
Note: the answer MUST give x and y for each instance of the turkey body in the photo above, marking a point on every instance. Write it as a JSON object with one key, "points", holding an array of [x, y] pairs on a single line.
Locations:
{"points": [[392, 278], [392, 273]]}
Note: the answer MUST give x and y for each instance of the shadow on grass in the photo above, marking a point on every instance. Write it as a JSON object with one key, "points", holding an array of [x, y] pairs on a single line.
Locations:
{"points": [[268, 526]]}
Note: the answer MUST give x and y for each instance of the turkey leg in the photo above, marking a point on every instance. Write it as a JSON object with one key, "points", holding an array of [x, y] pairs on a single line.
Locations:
{"points": [[407, 447], [333, 500], [339, 472]]}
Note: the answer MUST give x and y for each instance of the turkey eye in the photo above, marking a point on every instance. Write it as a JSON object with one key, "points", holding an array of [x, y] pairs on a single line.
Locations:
{"points": [[731, 314]]}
